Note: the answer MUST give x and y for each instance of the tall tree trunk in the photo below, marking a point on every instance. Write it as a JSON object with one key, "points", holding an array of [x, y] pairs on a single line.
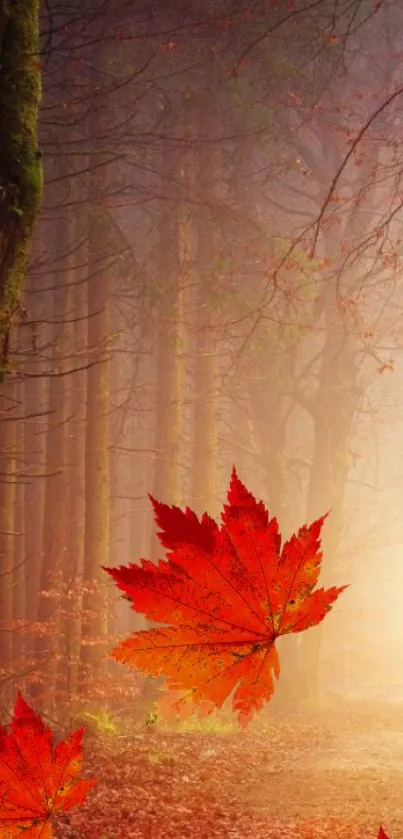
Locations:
{"points": [[74, 332], [94, 626], [334, 412], [56, 485], [166, 485], [169, 362], [68, 665], [173, 272], [20, 170], [206, 368], [8, 426], [34, 443], [20, 589]]}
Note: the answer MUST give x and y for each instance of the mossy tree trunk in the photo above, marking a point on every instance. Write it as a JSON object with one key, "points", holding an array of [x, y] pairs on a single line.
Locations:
{"points": [[20, 170]]}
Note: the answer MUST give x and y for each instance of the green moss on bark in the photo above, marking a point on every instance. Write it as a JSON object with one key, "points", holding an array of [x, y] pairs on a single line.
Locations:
{"points": [[20, 169]]}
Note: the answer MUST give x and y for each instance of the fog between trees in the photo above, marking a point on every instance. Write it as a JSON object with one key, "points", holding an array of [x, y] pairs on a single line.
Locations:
{"points": [[215, 279]]}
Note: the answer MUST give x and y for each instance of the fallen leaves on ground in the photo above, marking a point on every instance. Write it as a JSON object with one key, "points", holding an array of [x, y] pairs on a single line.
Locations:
{"points": [[254, 784]]}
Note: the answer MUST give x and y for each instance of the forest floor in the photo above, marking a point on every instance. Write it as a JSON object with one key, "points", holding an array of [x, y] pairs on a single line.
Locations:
{"points": [[335, 772]]}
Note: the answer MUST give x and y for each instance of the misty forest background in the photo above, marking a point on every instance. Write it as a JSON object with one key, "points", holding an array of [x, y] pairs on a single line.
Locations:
{"points": [[211, 283]]}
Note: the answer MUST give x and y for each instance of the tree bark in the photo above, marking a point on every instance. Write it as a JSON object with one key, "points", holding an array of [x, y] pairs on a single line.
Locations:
{"points": [[20, 169], [336, 406], [8, 429], [68, 666], [20, 590], [96, 536], [56, 486], [206, 368], [166, 486]]}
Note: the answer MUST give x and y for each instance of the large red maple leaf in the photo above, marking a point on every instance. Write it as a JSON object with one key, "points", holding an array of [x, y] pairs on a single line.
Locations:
{"points": [[227, 593], [36, 780]]}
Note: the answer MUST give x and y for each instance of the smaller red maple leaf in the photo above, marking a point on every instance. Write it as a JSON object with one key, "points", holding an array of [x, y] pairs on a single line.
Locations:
{"points": [[36, 779]]}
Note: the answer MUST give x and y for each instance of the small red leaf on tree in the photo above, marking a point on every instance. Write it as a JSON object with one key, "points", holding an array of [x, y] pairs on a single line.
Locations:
{"points": [[227, 593], [36, 779], [330, 38]]}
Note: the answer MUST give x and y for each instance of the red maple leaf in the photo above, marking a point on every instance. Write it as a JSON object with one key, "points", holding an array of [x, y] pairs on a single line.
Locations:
{"points": [[382, 834], [227, 593], [37, 780]]}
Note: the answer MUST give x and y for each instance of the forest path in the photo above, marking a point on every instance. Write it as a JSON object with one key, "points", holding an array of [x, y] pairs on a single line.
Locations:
{"points": [[344, 763], [330, 774]]}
